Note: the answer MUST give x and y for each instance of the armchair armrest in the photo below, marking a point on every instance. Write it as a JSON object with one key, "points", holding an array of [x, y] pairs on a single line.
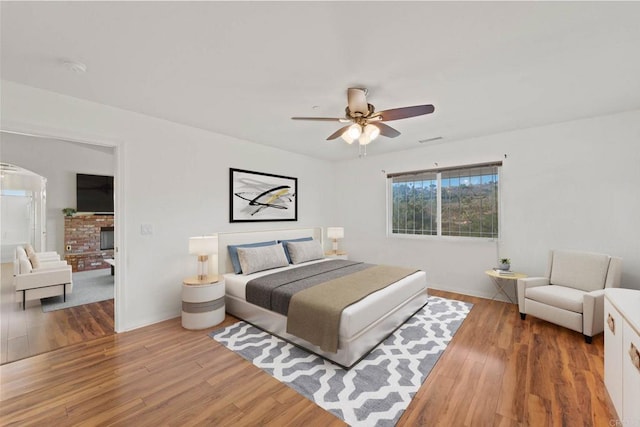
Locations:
{"points": [[529, 282], [39, 279], [593, 313]]}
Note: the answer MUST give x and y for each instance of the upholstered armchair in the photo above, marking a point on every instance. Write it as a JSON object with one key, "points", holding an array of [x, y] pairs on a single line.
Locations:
{"points": [[49, 279], [572, 292]]}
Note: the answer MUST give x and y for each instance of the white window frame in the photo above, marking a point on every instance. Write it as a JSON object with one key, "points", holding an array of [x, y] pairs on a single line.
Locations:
{"points": [[439, 236]]}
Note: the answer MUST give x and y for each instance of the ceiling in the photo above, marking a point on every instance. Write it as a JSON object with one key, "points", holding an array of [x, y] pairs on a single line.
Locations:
{"points": [[244, 68]]}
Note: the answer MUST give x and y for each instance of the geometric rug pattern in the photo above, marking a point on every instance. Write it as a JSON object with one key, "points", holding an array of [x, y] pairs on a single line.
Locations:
{"points": [[378, 389]]}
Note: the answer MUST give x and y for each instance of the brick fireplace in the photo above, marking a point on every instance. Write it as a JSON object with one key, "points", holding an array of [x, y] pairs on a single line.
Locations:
{"points": [[88, 240]]}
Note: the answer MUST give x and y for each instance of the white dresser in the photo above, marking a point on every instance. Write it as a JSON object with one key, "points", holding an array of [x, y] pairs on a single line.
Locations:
{"points": [[622, 352]]}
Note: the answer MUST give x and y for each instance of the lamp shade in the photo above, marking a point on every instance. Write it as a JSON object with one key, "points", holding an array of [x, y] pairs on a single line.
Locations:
{"points": [[335, 232], [203, 245]]}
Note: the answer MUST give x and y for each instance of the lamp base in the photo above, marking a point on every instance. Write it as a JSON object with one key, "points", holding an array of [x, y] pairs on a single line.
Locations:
{"points": [[203, 272]]}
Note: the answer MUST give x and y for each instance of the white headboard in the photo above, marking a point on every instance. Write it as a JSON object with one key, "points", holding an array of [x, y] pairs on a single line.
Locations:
{"points": [[225, 239]]}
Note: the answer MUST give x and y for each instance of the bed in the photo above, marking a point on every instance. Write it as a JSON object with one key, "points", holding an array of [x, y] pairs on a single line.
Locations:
{"points": [[362, 325]]}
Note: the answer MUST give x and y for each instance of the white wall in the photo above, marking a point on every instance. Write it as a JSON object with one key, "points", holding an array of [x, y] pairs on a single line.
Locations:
{"points": [[176, 181], [58, 161], [568, 186]]}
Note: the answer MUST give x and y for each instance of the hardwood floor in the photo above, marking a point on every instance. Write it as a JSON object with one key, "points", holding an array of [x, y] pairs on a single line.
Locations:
{"points": [[25, 333], [498, 370]]}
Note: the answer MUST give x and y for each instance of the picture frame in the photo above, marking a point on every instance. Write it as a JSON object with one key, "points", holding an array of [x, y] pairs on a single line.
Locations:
{"points": [[258, 196]]}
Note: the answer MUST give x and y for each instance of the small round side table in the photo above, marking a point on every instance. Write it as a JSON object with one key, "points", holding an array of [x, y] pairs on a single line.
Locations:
{"points": [[501, 280], [202, 302]]}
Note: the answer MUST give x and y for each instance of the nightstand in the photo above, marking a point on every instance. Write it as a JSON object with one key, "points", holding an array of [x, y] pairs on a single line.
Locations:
{"points": [[338, 255], [202, 302]]}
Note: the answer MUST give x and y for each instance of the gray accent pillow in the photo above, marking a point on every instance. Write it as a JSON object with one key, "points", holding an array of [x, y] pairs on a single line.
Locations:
{"points": [[233, 253], [262, 258], [286, 249], [304, 251]]}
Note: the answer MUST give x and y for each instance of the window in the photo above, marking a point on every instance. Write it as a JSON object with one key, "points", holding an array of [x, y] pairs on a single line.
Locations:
{"points": [[447, 202]]}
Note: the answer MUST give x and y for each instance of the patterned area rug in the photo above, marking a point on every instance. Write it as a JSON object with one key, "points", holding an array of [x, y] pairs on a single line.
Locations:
{"points": [[377, 390]]}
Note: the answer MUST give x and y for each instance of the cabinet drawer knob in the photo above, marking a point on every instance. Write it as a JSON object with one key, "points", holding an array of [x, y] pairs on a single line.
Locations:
{"points": [[612, 323], [635, 356]]}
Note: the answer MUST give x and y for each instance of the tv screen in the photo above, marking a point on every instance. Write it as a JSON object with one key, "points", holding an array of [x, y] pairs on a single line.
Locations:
{"points": [[94, 193]]}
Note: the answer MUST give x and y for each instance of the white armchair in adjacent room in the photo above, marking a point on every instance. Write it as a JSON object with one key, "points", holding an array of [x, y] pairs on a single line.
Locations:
{"points": [[49, 279], [24, 263], [572, 292]]}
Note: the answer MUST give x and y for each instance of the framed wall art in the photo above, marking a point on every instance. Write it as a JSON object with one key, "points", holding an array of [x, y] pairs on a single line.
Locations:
{"points": [[258, 196]]}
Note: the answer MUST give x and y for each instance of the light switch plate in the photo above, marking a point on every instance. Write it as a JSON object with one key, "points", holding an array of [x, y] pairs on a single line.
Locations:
{"points": [[146, 229]]}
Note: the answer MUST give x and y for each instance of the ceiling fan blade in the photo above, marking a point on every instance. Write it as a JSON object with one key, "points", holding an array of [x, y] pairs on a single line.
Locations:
{"points": [[386, 130], [405, 112], [338, 133], [320, 119], [357, 100]]}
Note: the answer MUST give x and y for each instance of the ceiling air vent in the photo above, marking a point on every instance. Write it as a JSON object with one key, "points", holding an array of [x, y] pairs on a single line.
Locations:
{"points": [[431, 141]]}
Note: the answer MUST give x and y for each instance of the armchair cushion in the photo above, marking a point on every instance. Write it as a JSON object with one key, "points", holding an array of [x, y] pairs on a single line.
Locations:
{"points": [[51, 265], [558, 296], [579, 270], [40, 279]]}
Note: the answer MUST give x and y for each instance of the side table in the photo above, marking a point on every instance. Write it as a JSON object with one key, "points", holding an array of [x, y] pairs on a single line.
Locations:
{"points": [[502, 280], [202, 302], [336, 255]]}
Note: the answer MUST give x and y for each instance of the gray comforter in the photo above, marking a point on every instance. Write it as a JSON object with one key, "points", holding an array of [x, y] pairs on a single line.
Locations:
{"points": [[274, 291]]}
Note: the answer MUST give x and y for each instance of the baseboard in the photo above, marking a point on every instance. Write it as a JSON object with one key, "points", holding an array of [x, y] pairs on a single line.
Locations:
{"points": [[469, 292], [149, 322]]}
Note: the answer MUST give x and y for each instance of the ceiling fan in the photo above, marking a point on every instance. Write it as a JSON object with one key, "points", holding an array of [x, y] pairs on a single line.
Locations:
{"points": [[367, 124]]}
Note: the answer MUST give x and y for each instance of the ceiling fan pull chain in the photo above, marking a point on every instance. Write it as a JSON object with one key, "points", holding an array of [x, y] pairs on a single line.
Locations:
{"points": [[362, 152]]}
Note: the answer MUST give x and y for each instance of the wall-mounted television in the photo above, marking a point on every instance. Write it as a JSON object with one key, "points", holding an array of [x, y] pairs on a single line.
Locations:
{"points": [[94, 193]]}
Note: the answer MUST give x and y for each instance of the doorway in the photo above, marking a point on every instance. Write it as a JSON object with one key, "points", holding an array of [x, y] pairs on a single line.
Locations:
{"points": [[38, 331]]}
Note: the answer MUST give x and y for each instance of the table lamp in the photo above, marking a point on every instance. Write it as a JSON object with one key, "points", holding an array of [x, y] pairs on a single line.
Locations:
{"points": [[335, 233], [203, 246]]}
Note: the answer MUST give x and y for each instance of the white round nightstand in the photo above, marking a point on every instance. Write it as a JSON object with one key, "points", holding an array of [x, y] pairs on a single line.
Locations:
{"points": [[202, 302]]}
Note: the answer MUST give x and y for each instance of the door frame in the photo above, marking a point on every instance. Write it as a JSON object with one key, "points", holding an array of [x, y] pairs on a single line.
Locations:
{"points": [[38, 131]]}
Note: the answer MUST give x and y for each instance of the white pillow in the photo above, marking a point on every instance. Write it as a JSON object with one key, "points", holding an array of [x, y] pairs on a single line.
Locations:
{"points": [[262, 258], [29, 250], [304, 251], [35, 262]]}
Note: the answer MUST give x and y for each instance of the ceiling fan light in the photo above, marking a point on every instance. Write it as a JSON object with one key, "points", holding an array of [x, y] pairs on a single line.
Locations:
{"points": [[364, 139], [371, 131], [347, 138], [354, 131]]}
